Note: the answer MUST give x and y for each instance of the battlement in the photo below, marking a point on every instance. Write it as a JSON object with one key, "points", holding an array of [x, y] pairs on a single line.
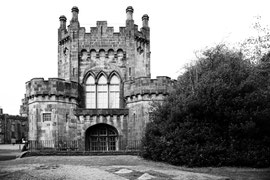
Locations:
{"points": [[103, 30], [145, 85], [52, 86]]}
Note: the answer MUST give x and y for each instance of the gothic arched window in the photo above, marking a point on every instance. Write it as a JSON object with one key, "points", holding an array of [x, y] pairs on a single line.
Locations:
{"points": [[114, 89], [90, 92], [102, 93]]}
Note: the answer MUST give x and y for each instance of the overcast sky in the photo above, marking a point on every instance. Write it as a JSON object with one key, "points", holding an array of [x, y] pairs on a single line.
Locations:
{"points": [[28, 30]]}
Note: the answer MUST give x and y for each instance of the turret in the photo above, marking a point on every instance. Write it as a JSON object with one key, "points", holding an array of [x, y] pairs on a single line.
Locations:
{"points": [[63, 21], [145, 20], [129, 12], [74, 22], [75, 12], [130, 21], [145, 27]]}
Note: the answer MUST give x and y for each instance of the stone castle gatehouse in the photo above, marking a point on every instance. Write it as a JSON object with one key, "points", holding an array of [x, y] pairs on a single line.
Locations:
{"points": [[104, 89]]}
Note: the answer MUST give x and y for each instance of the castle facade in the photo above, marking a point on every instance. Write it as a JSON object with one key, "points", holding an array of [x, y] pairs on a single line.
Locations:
{"points": [[12, 128], [104, 89]]}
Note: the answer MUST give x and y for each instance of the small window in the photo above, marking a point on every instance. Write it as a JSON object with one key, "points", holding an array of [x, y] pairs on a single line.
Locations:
{"points": [[13, 127], [47, 117], [111, 54], [120, 54], [67, 117], [129, 71], [73, 71], [102, 54], [93, 54]]}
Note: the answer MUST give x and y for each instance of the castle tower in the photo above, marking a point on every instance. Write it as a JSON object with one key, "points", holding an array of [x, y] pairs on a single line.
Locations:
{"points": [[138, 49], [103, 90]]}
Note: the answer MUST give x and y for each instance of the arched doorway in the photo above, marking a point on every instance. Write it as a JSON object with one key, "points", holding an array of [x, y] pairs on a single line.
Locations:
{"points": [[101, 137]]}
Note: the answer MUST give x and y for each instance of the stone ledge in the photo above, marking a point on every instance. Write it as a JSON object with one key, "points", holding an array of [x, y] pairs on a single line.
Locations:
{"points": [[142, 92], [104, 112]]}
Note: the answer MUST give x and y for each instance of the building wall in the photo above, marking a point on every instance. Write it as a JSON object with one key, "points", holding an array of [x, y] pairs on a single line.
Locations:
{"points": [[139, 108], [62, 123], [139, 95], [54, 96], [12, 127], [88, 119]]}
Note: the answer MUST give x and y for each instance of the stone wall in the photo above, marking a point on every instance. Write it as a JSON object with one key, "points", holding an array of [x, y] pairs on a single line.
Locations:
{"points": [[62, 123], [15, 127], [139, 95], [139, 107], [58, 98], [145, 85], [52, 86]]}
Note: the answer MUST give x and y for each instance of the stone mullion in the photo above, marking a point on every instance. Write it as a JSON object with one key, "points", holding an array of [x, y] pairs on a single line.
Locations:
{"points": [[96, 104], [108, 88]]}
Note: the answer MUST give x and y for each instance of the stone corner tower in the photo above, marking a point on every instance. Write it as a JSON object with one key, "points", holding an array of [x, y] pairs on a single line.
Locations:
{"points": [[68, 45]]}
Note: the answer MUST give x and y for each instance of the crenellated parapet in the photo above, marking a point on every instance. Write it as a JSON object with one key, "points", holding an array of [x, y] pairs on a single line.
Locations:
{"points": [[52, 87], [102, 30], [139, 87]]}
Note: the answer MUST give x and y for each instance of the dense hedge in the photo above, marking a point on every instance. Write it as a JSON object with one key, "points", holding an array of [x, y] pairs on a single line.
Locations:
{"points": [[219, 114]]}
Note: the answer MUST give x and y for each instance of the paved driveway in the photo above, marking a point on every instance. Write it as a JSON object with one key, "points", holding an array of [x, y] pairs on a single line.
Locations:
{"points": [[94, 167]]}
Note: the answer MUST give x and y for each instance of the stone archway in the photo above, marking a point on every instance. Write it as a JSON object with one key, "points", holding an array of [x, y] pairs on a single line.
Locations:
{"points": [[101, 137]]}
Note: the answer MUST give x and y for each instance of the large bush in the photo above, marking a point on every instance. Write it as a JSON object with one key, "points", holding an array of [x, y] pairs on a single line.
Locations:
{"points": [[217, 116]]}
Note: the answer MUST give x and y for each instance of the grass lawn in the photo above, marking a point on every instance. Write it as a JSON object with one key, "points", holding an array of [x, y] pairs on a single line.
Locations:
{"points": [[235, 173]]}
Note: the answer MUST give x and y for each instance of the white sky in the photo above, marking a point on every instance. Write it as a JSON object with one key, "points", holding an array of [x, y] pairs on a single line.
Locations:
{"points": [[28, 30]]}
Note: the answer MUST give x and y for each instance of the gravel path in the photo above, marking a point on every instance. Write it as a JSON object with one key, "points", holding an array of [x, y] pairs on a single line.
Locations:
{"points": [[94, 168]]}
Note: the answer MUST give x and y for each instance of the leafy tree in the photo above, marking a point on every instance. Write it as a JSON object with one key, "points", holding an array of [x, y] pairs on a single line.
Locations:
{"points": [[218, 114], [257, 45]]}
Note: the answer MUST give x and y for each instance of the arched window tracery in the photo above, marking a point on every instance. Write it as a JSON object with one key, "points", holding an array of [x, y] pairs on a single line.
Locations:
{"points": [[102, 94]]}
